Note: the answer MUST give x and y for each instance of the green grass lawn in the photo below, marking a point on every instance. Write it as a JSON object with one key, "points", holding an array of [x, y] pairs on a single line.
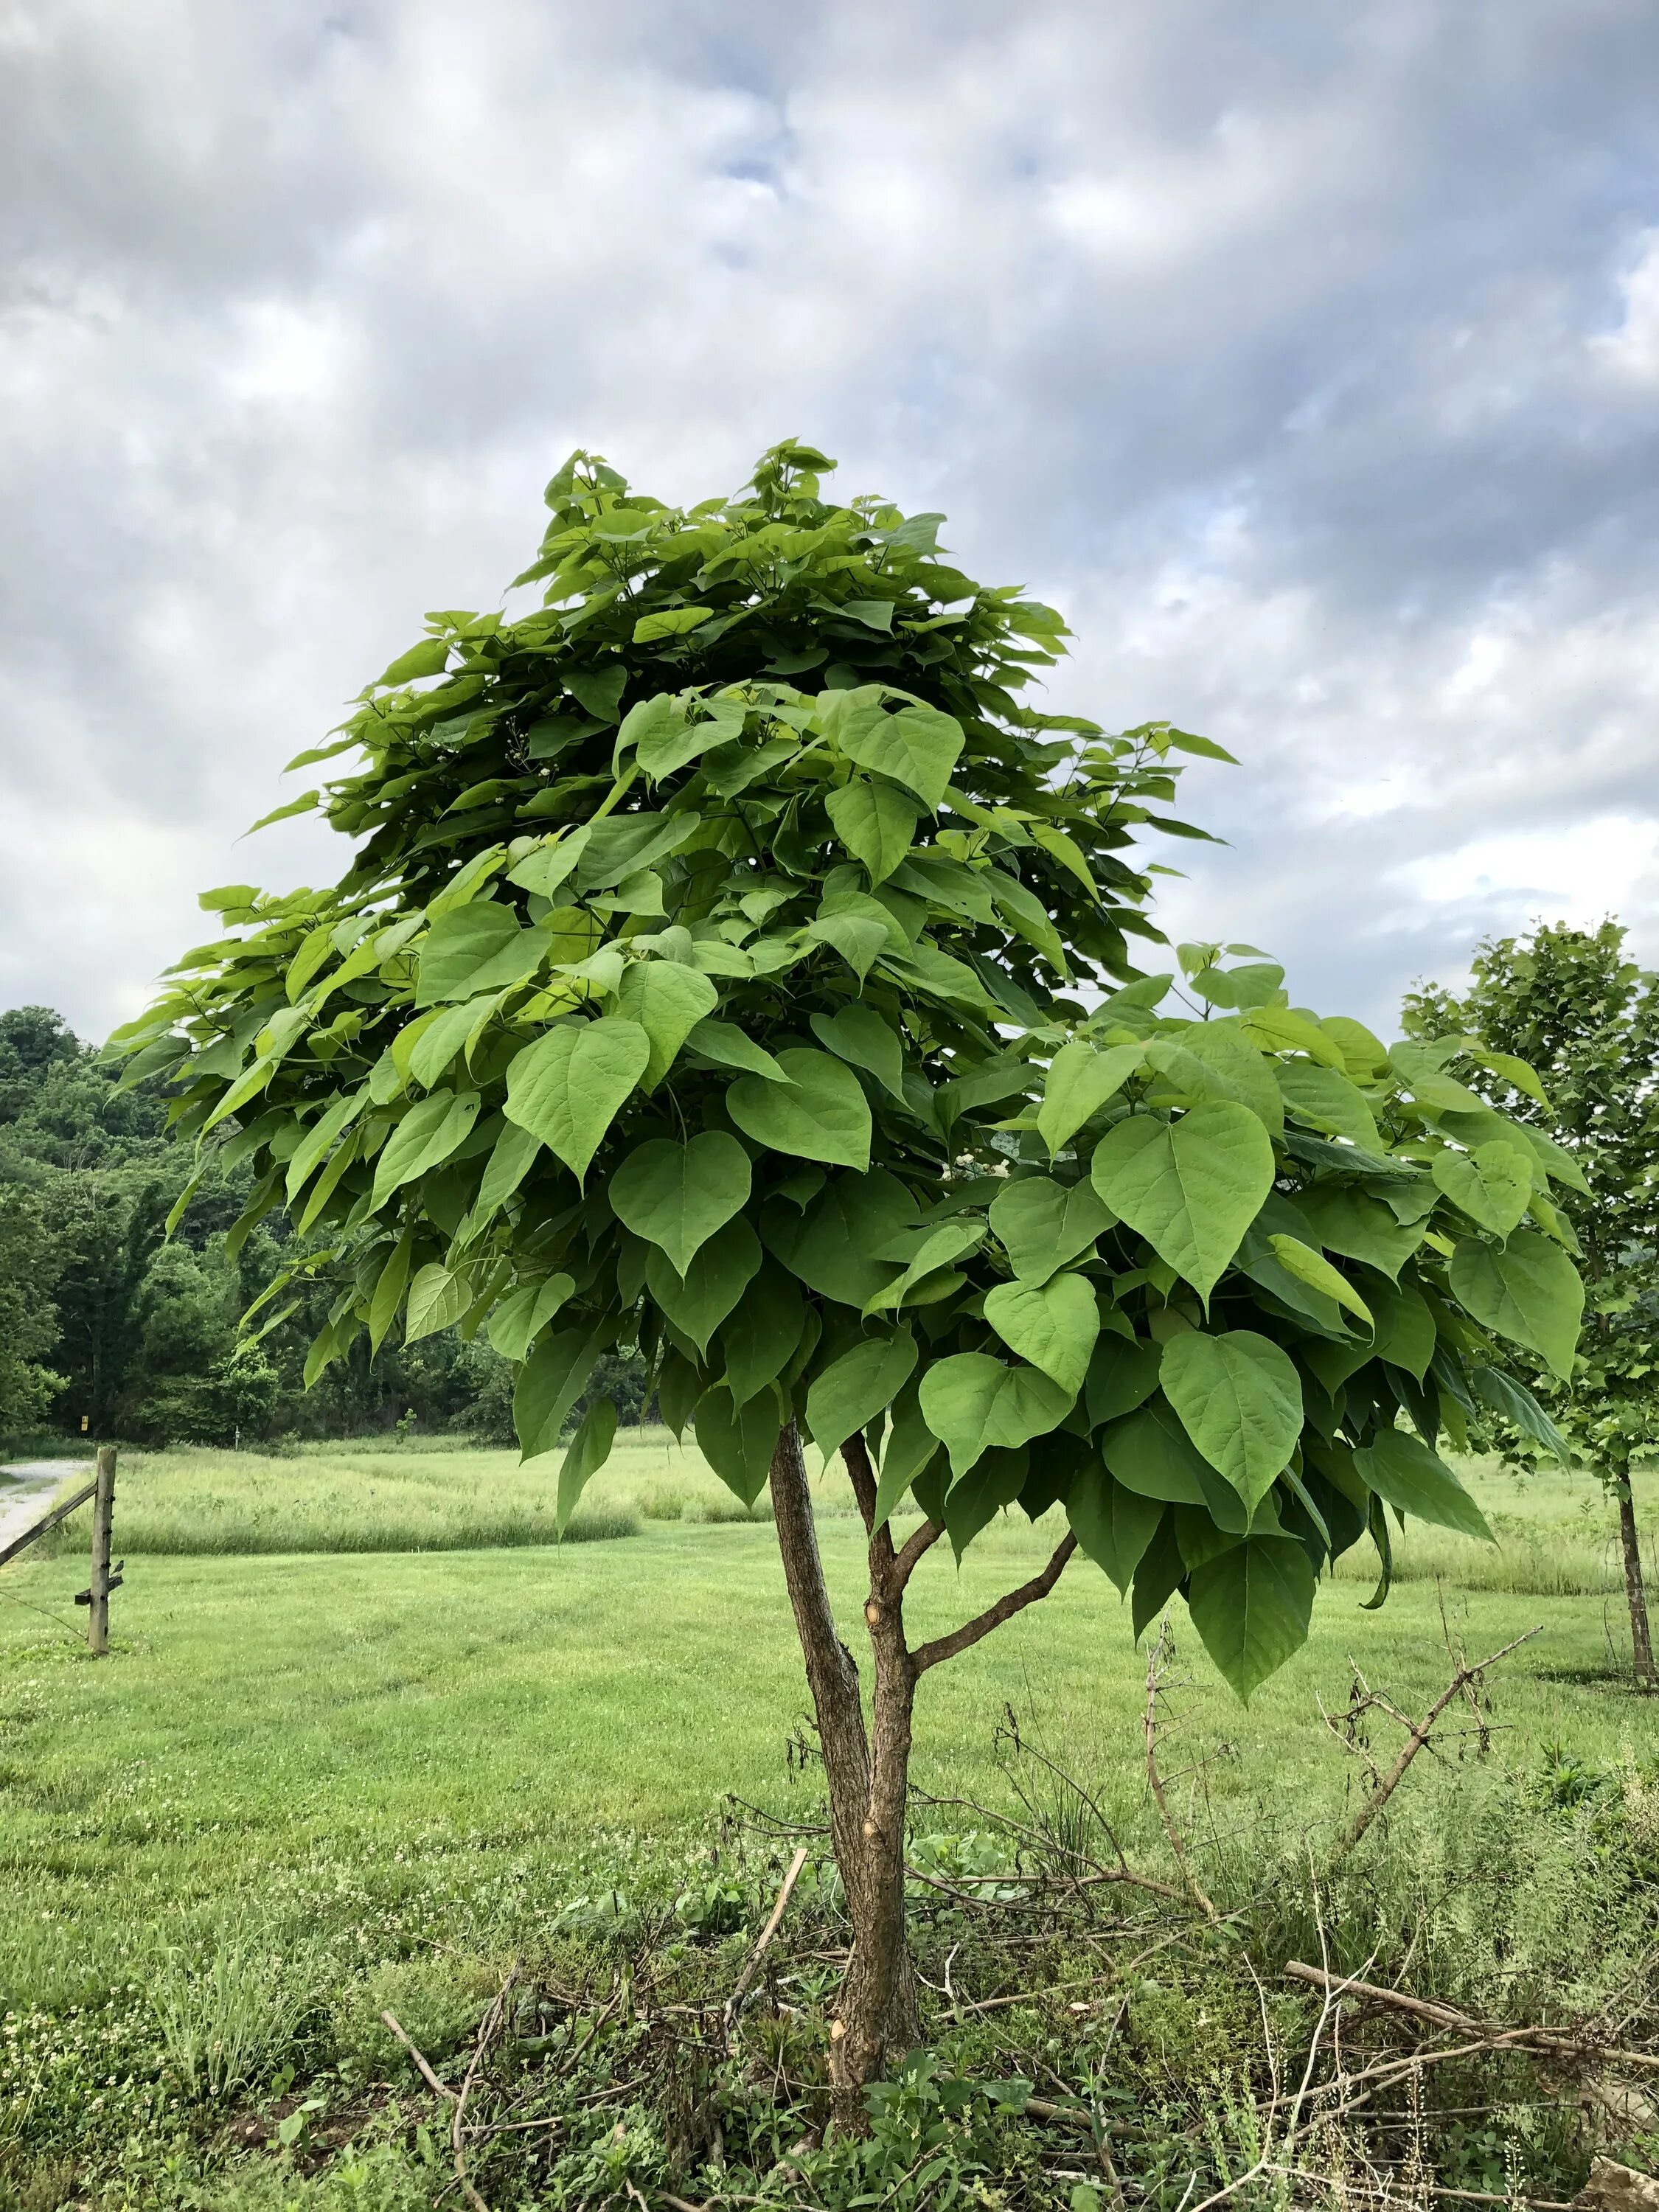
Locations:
{"points": [[309, 1783], [266, 1717]]}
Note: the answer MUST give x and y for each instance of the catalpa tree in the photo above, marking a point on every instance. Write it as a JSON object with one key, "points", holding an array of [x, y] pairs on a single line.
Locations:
{"points": [[733, 965]]}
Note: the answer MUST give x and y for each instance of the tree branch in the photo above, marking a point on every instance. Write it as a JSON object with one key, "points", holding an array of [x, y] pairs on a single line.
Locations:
{"points": [[856, 1458], [1418, 1737], [918, 1541], [1015, 1601]]}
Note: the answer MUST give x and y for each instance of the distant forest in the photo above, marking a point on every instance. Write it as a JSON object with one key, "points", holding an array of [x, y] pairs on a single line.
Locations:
{"points": [[103, 1315]]}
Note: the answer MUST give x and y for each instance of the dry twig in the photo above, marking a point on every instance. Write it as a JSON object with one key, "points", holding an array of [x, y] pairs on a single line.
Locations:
{"points": [[1418, 1733], [753, 1966], [1448, 2018]]}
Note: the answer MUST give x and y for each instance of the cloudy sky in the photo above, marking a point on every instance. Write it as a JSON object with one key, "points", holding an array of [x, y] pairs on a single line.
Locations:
{"points": [[1307, 356]]}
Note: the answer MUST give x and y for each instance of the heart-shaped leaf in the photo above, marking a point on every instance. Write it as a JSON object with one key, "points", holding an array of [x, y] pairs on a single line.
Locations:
{"points": [[1492, 1184], [1239, 1400], [567, 1087], [677, 1195], [1042, 1224], [1192, 1186], [1053, 1325], [974, 1404], [821, 1115], [853, 1389], [1528, 1291], [1080, 1080]]}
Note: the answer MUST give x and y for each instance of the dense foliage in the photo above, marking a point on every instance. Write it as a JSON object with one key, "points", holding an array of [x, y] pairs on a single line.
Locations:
{"points": [[731, 963], [1574, 1007]]}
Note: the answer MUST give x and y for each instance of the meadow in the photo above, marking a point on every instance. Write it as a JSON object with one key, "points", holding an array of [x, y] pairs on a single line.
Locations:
{"points": [[1556, 1533], [349, 1749]]}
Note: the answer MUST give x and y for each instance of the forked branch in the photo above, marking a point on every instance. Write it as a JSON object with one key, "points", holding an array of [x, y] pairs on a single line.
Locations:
{"points": [[1013, 1602], [1418, 1735]]}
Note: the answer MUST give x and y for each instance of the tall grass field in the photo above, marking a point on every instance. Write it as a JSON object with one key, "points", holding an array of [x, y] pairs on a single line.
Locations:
{"points": [[1557, 1534]]}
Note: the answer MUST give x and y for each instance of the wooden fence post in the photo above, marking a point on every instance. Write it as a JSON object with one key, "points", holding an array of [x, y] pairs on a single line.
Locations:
{"points": [[103, 1515]]}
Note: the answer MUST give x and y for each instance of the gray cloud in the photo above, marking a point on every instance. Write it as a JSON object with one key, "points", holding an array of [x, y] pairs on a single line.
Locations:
{"points": [[1308, 359]]}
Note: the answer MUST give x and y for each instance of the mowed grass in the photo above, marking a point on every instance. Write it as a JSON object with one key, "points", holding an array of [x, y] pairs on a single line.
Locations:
{"points": [[383, 1754]]}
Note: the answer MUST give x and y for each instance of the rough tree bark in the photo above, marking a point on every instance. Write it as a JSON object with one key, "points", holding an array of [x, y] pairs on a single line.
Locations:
{"points": [[1641, 1635], [867, 1771]]}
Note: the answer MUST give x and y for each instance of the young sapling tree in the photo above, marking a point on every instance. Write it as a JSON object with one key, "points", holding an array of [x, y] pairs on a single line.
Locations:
{"points": [[1560, 1027], [733, 964]]}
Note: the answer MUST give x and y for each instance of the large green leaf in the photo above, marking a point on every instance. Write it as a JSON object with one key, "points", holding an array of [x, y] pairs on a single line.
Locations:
{"points": [[1053, 1325], [876, 823], [861, 939], [549, 1383], [1114, 1525], [1399, 1467], [910, 1448], [521, 1316], [589, 1449], [507, 1168], [1326, 1101], [759, 1339], [1198, 1064], [1079, 1082], [1405, 1329], [1528, 1291], [1518, 1404], [918, 746], [1042, 1224], [1492, 1184], [739, 1442], [1358, 1227], [716, 1278], [1122, 1375], [437, 1299], [821, 1115], [677, 1195], [480, 947], [668, 1001], [320, 1134], [1149, 1452], [993, 1482], [624, 843], [924, 1252], [1252, 1606], [423, 1140], [1240, 1401], [853, 1389], [389, 1289], [1191, 1188], [1315, 1271], [568, 1086], [829, 1245], [1159, 1573], [974, 1404], [857, 1033], [726, 1045]]}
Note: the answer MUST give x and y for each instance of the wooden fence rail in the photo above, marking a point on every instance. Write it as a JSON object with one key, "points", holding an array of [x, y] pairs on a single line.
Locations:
{"points": [[95, 1597]]}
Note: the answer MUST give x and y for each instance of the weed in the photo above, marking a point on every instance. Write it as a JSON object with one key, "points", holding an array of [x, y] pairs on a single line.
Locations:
{"points": [[225, 2020]]}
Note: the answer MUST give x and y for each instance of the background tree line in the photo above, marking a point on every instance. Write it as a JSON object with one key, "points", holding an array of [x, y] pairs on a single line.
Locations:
{"points": [[101, 1314]]}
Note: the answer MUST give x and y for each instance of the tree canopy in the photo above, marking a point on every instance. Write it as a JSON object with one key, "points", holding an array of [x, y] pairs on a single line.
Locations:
{"points": [[732, 963]]}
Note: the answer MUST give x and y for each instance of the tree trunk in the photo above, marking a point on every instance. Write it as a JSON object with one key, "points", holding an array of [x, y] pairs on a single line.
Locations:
{"points": [[1641, 1636], [867, 1786]]}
